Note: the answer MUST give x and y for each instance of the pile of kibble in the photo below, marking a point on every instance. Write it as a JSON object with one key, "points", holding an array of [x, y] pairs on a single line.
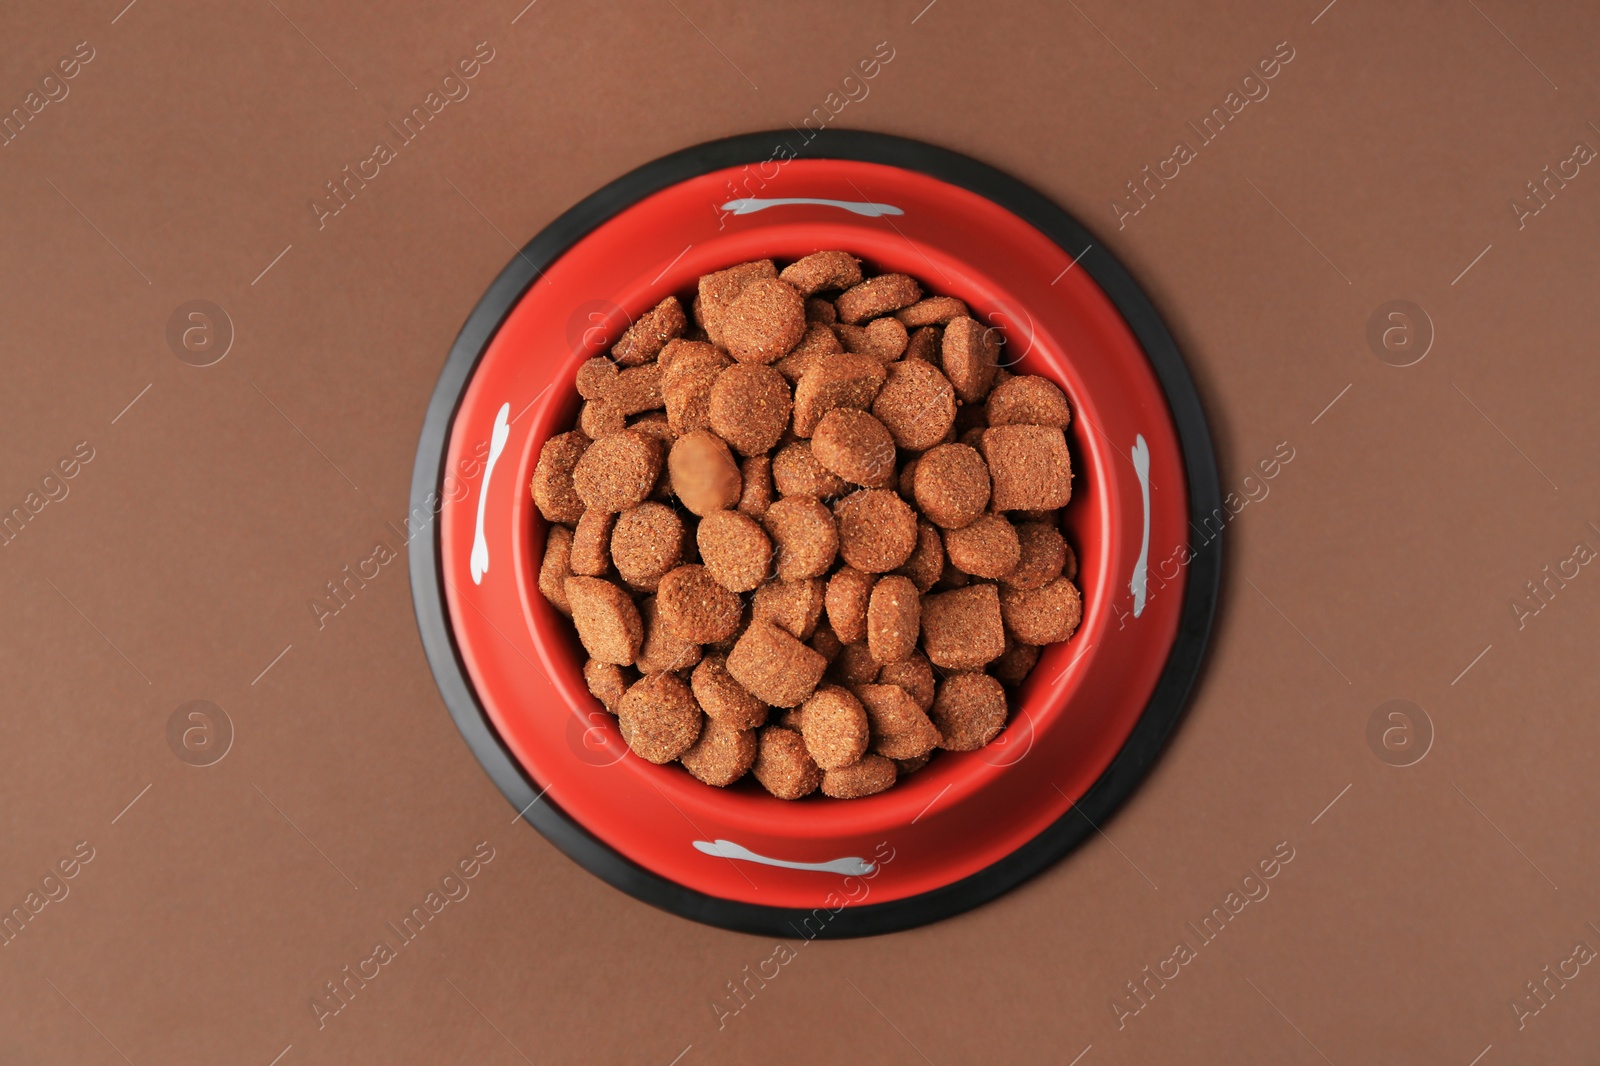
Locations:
{"points": [[812, 535]]}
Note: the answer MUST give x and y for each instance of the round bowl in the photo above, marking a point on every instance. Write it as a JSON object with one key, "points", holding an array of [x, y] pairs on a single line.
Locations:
{"points": [[1086, 724]]}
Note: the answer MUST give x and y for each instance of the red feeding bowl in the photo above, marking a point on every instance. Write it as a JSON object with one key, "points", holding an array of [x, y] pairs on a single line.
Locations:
{"points": [[1086, 724]]}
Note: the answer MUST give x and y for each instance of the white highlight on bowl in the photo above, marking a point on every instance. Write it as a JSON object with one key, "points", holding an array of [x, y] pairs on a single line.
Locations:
{"points": [[750, 205], [727, 849], [497, 443], [1141, 466]]}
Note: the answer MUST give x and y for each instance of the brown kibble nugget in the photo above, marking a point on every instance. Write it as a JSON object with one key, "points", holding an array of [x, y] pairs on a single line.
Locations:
{"points": [[903, 484], [607, 682], [735, 549], [655, 424], [608, 623], [969, 711], [1015, 663], [925, 344], [823, 270], [1044, 555], [601, 418], [644, 339], [694, 607], [985, 547], [969, 356], [1030, 467], [703, 472], [796, 606], [848, 592], [871, 775], [834, 727], [662, 650], [855, 446], [962, 629], [783, 766], [766, 320], [750, 407], [796, 472], [659, 718], [877, 530], [773, 666], [805, 537], [718, 291], [617, 472], [755, 495], [591, 543], [899, 727], [1028, 399], [854, 665], [882, 338], [951, 485], [552, 487], [877, 296], [835, 381], [935, 310], [646, 543], [917, 404], [818, 309], [894, 619], [638, 389], [819, 340], [824, 643], [907, 767], [722, 755], [595, 377], [915, 675], [687, 382], [1043, 615], [723, 698], [556, 568], [926, 564]]}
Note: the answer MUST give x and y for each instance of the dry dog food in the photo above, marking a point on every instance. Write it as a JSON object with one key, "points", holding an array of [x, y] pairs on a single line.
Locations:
{"points": [[809, 531]]}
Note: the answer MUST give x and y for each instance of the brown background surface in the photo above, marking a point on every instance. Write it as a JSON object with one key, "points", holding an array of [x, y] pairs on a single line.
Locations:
{"points": [[1382, 563]]}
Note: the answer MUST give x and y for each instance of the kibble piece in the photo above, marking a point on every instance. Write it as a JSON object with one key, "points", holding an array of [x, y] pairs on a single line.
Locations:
{"points": [[1015, 663], [556, 568], [856, 446], [951, 485], [854, 665], [952, 578], [792, 719], [694, 607], [608, 623], [927, 561], [969, 711], [825, 643], [607, 682], [703, 472], [766, 320], [873, 774], [662, 651], [894, 619], [750, 407], [804, 535], [818, 309], [985, 547], [935, 310], [795, 606], [848, 592], [723, 698], [877, 296], [906, 480], [969, 355], [644, 339], [1041, 616], [1043, 556], [722, 755], [617, 472], [655, 424], [601, 418], [1028, 399], [659, 718], [962, 629], [882, 338], [552, 487], [900, 729], [915, 675], [591, 543], [925, 344], [734, 549], [646, 543], [834, 726], [796, 472], [686, 384], [755, 495], [595, 377], [907, 767], [823, 270], [773, 666], [718, 291], [1030, 467], [818, 340], [835, 381], [917, 404], [877, 530], [638, 389], [783, 766]]}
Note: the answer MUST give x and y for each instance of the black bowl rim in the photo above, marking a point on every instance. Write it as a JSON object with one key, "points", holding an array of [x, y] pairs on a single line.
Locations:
{"points": [[1138, 753]]}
